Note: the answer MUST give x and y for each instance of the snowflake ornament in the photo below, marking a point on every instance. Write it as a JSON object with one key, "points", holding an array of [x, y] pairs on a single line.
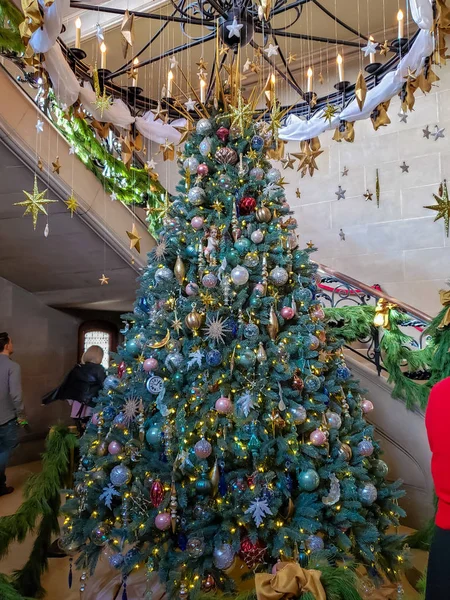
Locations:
{"points": [[160, 250], [259, 509], [108, 494], [216, 329], [195, 359], [246, 403], [131, 409]]}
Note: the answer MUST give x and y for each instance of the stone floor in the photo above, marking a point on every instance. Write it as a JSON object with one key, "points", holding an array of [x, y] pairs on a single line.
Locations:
{"points": [[55, 579]]}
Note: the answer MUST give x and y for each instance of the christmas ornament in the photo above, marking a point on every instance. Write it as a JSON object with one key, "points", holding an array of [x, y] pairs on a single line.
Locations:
{"points": [[273, 325], [246, 358], [273, 175], [223, 556], [287, 312], [315, 543], [191, 164], [133, 347], [116, 561], [72, 204], [173, 361], [194, 320], [102, 449], [309, 480], [202, 449], [257, 173], [216, 328], [155, 385], [35, 203], [312, 383], [120, 475], [209, 583], [257, 143], [333, 420], [263, 214], [203, 486], [367, 494], [442, 207], [314, 342], [298, 414], [223, 405], [279, 276], [213, 358], [297, 382], [366, 406], [257, 236], [380, 468], [195, 547], [246, 403], [153, 436], [120, 421], [192, 289], [318, 437], [252, 553], [100, 534], [261, 355], [163, 521], [335, 492], [226, 156], [345, 452], [163, 274], [111, 382], [225, 181], [196, 196], [202, 170], [205, 147], [150, 364], [203, 127], [247, 205], [115, 448], [251, 331], [239, 275], [209, 280], [156, 493], [365, 448], [179, 270], [222, 133]]}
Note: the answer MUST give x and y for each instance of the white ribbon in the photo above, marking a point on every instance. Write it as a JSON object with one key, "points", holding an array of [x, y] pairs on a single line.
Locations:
{"points": [[45, 37]]}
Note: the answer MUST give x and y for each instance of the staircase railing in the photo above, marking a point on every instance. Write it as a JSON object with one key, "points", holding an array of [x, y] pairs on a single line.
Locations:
{"points": [[337, 290]]}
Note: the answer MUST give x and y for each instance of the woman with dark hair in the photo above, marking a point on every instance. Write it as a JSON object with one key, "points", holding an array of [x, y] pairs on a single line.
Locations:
{"points": [[437, 421]]}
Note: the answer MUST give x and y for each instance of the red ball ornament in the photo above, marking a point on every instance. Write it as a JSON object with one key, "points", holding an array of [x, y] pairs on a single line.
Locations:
{"points": [[287, 312], [121, 369], [224, 405], [252, 554], [156, 493], [202, 169], [223, 133], [247, 205], [297, 383]]}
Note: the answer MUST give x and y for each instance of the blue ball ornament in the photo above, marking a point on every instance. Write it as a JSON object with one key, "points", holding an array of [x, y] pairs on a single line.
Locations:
{"points": [[251, 331], [309, 480], [153, 435], [120, 475], [257, 143], [191, 251], [143, 304], [133, 347], [111, 382], [213, 358], [312, 383], [242, 245], [87, 463], [233, 328], [343, 373], [315, 543], [109, 412], [367, 494]]}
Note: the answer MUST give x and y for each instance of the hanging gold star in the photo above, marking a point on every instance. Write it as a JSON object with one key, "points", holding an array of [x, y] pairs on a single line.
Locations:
{"points": [[298, 193], [135, 239], [168, 150], [126, 150], [384, 48], [288, 163], [329, 112], [162, 210], [104, 280], [56, 165], [207, 298], [35, 203], [102, 102], [223, 50], [252, 154], [218, 206], [310, 244], [177, 324], [202, 65], [242, 113], [40, 164], [71, 204], [160, 113], [184, 131], [254, 67], [276, 115], [368, 196], [443, 206], [291, 58], [282, 182], [307, 159], [360, 90]]}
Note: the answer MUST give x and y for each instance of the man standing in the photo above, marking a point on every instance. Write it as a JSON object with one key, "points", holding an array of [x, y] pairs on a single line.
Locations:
{"points": [[11, 407]]}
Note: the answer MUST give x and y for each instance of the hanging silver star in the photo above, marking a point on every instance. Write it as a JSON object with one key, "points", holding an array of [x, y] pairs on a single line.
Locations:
{"points": [[404, 167], [345, 172], [403, 117], [234, 30], [342, 235], [369, 48], [438, 133], [426, 132], [271, 50], [40, 126], [190, 104], [340, 193]]}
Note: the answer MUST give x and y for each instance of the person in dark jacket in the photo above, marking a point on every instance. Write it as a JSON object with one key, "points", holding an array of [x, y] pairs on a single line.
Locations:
{"points": [[83, 384]]}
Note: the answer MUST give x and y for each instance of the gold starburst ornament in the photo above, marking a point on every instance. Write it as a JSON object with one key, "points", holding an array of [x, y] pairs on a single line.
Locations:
{"points": [[35, 203], [443, 206], [72, 204]]}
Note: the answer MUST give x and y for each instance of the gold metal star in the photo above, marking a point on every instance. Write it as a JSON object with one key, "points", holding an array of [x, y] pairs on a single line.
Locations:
{"points": [[288, 163], [443, 206], [177, 324], [104, 280], [135, 239], [168, 150], [71, 204], [56, 165], [241, 113], [252, 154], [162, 210], [160, 113], [384, 48], [282, 182], [202, 65], [307, 159], [291, 58], [141, 359], [368, 196], [310, 244], [254, 67], [207, 298], [35, 203], [329, 112], [102, 102], [218, 206], [40, 164], [223, 50], [298, 193], [184, 131]]}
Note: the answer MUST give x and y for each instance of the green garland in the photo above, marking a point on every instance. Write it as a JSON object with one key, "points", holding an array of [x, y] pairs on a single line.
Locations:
{"points": [[41, 501], [131, 186], [10, 19]]}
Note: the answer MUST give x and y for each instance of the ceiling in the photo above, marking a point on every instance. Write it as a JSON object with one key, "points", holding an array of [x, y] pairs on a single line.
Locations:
{"points": [[377, 17], [62, 269]]}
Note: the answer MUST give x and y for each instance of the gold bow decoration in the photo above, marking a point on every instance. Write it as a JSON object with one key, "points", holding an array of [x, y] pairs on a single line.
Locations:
{"points": [[444, 297], [290, 581], [382, 311], [32, 21]]}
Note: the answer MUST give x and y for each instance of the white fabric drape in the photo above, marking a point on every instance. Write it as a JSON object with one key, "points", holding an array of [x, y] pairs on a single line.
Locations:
{"points": [[45, 38]]}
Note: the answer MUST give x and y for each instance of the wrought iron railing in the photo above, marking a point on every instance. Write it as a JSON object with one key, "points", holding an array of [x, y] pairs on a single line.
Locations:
{"points": [[339, 290]]}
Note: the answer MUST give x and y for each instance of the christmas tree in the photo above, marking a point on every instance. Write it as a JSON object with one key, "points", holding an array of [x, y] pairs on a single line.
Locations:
{"points": [[231, 435]]}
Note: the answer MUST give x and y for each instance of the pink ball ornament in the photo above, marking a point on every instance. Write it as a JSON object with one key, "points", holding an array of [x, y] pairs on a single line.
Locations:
{"points": [[114, 448], [94, 419], [224, 405], [259, 288], [202, 449], [209, 280], [191, 289], [318, 437], [287, 312], [366, 406], [163, 521], [286, 205], [197, 223], [150, 364], [318, 313], [202, 169]]}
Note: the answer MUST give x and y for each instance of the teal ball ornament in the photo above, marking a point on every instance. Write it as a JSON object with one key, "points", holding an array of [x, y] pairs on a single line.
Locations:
{"points": [[309, 480], [242, 245], [203, 486], [255, 302], [233, 257], [178, 379], [153, 436], [246, 358], [133, 347], [188, 147], [191, 251]]}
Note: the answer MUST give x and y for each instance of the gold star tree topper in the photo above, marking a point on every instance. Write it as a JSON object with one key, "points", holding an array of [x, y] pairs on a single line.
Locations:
{"points": [[35, 203]]}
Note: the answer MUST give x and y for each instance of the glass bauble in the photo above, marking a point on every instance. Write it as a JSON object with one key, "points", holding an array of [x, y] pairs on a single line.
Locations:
{"points": [[257, 236], [120, 421], [194, 320], [205, 147], [298, 414], [202, 170], [309, 480], [273, 175], [226, 156], [263, 214], [150, 364], [257, 143], [192, 289], [315, 543], [312, 383], [203, 127], [111, 382], [116, 561], [163, 274], [255, 302], [202, 449], [279, 276], [87, 463], [366, 406], [209, 280], [195, 547], [223, 556], [314, 342], [223, 133], [225, 181], [115, 447], [153, 435], [120, 475], [239, 275], [203, 486], [303, 294], [345, 452], [246, 358], [367, 494], [173, 361], [191, 164], [380, 468], [223, 405], [100, 534], [213, 358], [251, 259], [242, 245], [365, 448], [163, 521], [343, 373], [232, 257], [197, 223], [317, 437], [251, 331], [196, 195], [334, 420], [257, 173]]}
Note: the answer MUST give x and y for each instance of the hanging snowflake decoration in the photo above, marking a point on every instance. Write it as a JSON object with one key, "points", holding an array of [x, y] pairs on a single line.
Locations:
{"points": [[108, 494], [259, 509], [195, 358], [160, 250], [335, 492], [246, 403], [131, 409], [216, 329]]}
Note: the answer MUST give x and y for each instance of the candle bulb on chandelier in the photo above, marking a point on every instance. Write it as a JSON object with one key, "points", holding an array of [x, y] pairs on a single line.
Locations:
{"points": [[78, 32], [169, 84], [103, 54], [340, 64], [310, 76], [400, 24], [202, 91], [135, 72], [372, 54]]}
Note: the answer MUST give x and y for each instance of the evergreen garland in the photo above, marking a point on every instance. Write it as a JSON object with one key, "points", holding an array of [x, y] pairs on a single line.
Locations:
{"points": [[10, 19]]}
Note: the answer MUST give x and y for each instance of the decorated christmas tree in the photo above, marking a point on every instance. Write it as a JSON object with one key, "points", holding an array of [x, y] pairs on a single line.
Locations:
{"points": [[230, 435]]}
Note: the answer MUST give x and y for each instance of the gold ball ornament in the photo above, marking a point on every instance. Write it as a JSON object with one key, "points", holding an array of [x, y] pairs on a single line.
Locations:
{"points": [[263, 214], [194, 320], [345, 451], [179, 270], [226, 156], [261, 355]]}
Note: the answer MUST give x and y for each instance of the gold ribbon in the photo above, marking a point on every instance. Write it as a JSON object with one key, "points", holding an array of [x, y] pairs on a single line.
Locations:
{"points": [[290, 581], [33, 19], [445, 301]]}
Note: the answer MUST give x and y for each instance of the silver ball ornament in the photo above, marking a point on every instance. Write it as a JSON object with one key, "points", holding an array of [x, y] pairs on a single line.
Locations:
{"points": [[223, 556], [273, 175], [365, 448], [368, 494], [279, 276], [239, 275], [173, 361], [257, 236], [196, 195], [257, 173], [191, 164], [334, 420], [315, 543], [298, 414], [120, 475], [203, 127], [163, 274]]}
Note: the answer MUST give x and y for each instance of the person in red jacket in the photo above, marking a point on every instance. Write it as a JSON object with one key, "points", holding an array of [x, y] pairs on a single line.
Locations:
{"points": [[437, 421]]}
